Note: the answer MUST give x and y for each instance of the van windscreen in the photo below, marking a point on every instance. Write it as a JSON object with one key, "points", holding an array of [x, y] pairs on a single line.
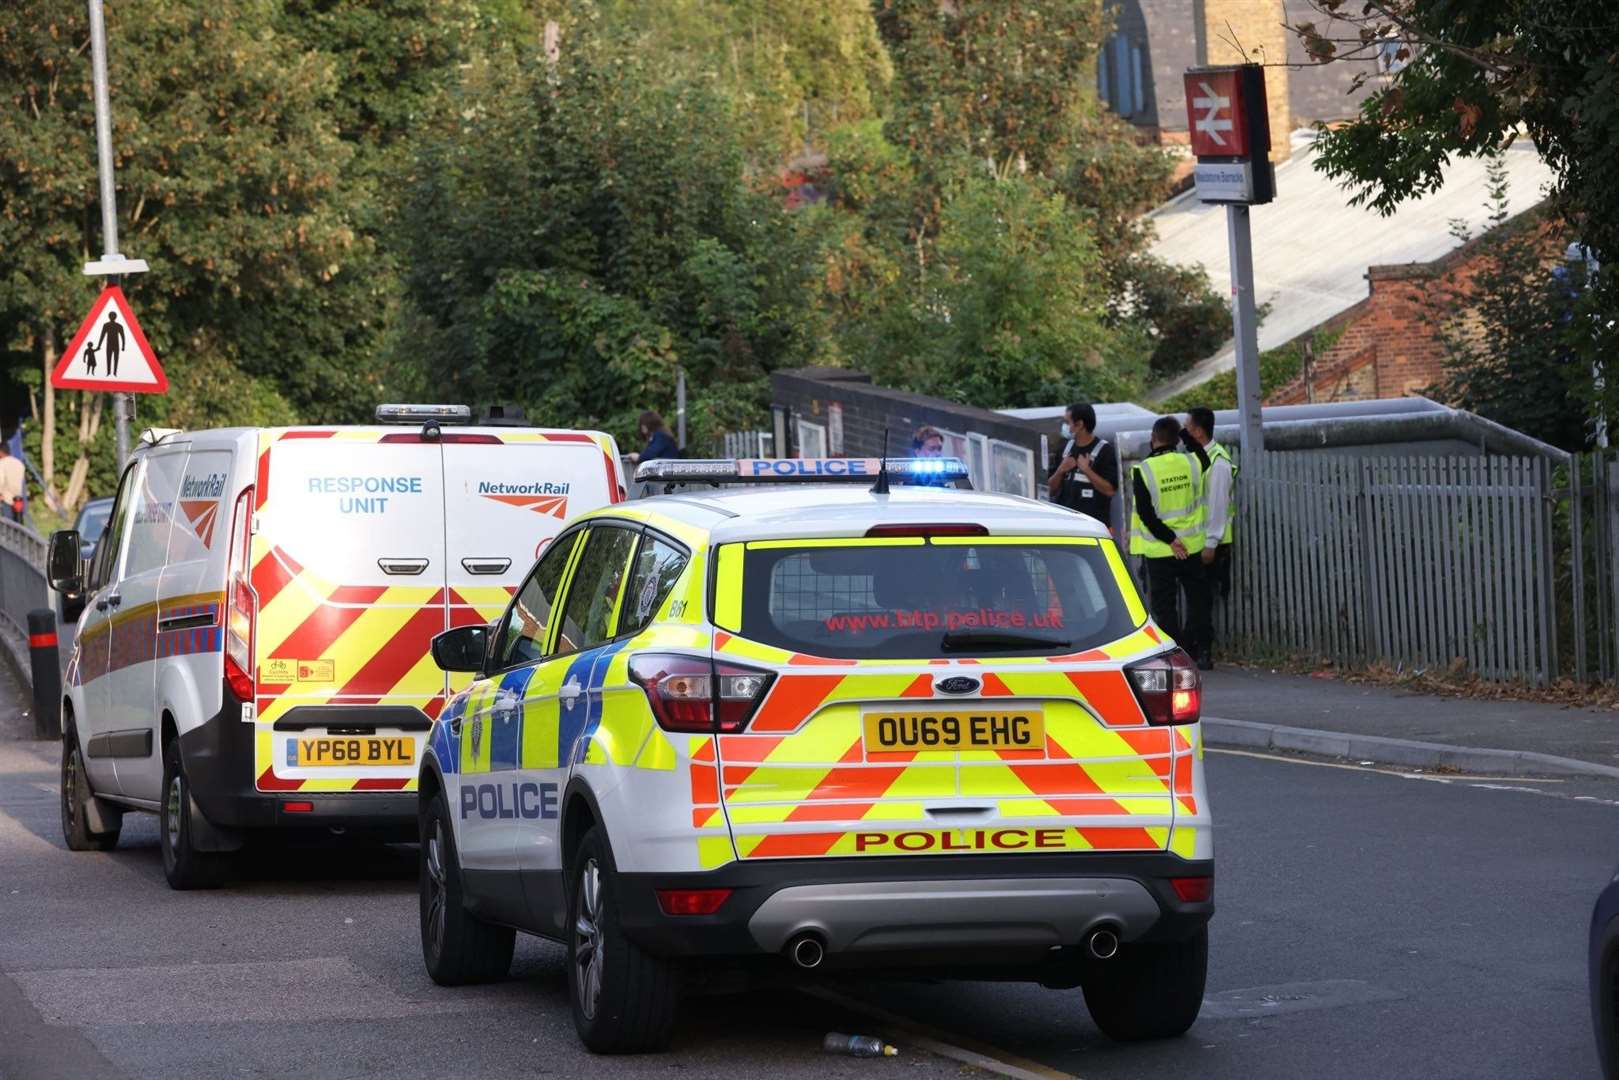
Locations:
{"points": [[948, 596]]}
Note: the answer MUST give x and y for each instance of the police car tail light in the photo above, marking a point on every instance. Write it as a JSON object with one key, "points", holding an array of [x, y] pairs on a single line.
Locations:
{"points": [[692, 901], [1168, 687], [945, 529], [241, 603], [688, 693]]}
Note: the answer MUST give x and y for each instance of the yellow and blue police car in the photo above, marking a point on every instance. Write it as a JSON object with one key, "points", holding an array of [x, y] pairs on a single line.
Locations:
{"points": [[819, 725]]}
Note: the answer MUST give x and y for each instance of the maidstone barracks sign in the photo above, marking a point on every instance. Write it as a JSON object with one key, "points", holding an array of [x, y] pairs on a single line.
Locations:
{"points": [[1229, 124]]}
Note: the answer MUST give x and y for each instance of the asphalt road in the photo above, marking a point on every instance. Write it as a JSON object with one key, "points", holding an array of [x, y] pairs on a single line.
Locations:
{"points": [[1369, 925]]}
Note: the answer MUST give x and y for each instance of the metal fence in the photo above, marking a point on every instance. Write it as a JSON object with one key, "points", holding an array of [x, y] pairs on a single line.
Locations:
{"points": [[746, 444], [22, 587], [1419, 562]]}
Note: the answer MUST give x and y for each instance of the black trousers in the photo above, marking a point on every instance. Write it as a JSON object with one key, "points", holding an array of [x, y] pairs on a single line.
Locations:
{"points": [[1167, 578], [1219, 573]]}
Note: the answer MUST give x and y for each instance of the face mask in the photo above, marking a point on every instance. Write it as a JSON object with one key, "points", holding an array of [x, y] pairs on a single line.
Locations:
{"points": [[1067, 431]]}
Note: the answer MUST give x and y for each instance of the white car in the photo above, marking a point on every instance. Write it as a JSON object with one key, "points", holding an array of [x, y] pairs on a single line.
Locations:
{"points": [[814, 728]]}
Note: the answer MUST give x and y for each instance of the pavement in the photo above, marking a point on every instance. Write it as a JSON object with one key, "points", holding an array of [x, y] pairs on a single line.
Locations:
{"points": [[1330, 717]]}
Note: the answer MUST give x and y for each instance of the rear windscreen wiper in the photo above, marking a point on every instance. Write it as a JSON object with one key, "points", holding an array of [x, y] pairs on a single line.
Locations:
{"points": [[956, 640]]}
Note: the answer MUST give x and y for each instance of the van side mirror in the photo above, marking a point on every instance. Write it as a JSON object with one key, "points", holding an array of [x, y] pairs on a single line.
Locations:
{"points": [[64, 567], [461, 649]]}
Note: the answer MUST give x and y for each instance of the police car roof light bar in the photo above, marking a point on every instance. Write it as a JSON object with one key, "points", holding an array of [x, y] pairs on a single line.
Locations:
{"points": [[803, 470], [415, 414]]}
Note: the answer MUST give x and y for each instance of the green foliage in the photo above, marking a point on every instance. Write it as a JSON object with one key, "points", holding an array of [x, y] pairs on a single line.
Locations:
{"points": [[1277, 368], [645, 249], [1186, 319]]}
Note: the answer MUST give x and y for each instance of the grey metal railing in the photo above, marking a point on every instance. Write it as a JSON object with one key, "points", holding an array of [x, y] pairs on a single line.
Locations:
{"points": [[22, 587]]}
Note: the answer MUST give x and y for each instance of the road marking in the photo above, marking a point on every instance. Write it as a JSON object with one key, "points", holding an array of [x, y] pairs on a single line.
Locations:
{"points": [[1389, 770], [902, 1031], [1482, 783]]}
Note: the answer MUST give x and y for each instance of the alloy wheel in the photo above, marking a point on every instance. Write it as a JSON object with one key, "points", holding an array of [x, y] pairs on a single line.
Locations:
{"points": [[437, 909], [171, 813], [587, 953]]}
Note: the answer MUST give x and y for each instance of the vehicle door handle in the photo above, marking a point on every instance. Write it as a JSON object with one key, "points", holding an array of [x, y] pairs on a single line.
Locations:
{"points": [[959, 811], [570, 692], [113, 600], [490, 565], [101, 605], [402, 567]]}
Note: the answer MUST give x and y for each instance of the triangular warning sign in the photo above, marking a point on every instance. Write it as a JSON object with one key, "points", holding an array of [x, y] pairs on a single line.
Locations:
{"points": [[109, 352]]}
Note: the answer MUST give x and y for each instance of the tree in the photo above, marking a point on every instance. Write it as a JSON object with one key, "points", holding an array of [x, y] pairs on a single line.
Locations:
{"points": [[577, 229], [229, 176], [1465, 78]]}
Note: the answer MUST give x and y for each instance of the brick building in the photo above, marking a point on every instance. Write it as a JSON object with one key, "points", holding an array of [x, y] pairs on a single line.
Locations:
{"points": [[1388, 345], [1140, 68]]}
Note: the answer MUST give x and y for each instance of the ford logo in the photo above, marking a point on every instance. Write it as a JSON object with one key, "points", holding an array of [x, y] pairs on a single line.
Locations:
{"points": [[956, 684]]}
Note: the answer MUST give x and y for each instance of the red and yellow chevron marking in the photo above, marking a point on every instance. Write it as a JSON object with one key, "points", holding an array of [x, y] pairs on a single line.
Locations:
{"points": [[804, 761]]}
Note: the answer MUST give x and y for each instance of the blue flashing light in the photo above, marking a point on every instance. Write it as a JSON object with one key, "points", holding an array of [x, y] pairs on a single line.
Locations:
{"points": [[940, 470]]}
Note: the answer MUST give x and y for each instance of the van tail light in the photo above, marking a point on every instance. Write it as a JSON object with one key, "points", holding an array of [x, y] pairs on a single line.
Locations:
{"points": [[690, 693], [1168, 688], [241, 602]]}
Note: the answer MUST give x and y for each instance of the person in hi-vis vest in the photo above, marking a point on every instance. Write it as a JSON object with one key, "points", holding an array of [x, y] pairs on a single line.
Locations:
{"points": [[1219, 503], [1166, 530]]}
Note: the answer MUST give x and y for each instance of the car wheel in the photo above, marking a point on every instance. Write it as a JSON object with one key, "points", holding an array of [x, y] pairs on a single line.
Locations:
{"points": [[624, 998], [457, 948], [75, 797], [1149, 991], [184, 866]]}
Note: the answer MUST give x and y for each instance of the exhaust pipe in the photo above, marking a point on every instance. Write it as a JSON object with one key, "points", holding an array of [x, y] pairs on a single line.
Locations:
{"points": [[1103, 943], [806, 950]]}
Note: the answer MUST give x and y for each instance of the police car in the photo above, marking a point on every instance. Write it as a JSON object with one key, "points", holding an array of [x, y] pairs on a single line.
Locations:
{"points": [[820, 726]]}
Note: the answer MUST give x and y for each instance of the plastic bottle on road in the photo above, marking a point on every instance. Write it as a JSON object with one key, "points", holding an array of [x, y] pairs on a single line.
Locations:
{"points": [[856, 1045]]}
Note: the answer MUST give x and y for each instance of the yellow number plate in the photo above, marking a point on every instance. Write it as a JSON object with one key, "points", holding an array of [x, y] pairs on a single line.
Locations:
{"points": [[1022, 729], [355, 750]]}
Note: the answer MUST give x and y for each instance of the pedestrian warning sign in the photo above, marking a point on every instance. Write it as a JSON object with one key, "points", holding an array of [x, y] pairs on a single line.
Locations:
{"points": [[109, 352]]}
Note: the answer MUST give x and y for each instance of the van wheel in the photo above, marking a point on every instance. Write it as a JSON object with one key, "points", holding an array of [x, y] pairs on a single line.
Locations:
{"points": [[623, 997], [76, 796], [458, 949], [183, 864], [1149, 991]]}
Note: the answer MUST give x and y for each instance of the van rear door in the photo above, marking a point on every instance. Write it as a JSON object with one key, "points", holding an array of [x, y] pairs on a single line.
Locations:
{"points": [[508, 493], [349, 568]]}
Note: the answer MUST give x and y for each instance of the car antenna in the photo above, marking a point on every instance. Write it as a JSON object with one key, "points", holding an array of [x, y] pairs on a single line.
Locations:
{"points": [[881, 486]]}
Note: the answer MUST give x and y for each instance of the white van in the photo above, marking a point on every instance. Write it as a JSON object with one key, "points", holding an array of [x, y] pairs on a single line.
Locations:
{"points": [[254, 647]]}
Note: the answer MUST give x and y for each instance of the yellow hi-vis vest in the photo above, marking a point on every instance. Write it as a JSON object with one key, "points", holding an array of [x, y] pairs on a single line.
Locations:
{"points": [[1176, 484], [1217, 452]]}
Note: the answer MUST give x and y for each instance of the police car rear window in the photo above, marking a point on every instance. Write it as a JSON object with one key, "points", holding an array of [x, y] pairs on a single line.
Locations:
{"points": [[939, 599]]}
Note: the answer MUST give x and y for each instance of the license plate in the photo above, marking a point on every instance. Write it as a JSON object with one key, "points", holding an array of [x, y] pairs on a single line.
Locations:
{"points": [[1020, 729], [352, 750]]}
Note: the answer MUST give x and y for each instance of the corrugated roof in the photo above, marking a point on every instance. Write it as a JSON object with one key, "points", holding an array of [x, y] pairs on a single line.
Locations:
{"points": [[1311, 249]]}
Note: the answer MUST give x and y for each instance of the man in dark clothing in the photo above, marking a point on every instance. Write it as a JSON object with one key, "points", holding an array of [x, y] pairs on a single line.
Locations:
{"points": [[1166, 530], [658, 442], [1088, 475]]}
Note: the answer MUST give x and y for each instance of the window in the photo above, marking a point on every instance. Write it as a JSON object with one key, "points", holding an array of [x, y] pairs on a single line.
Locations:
{"points": [[597, 587], [522, 634], [108, 549], [657, 568], [1011, 469], [154, 511], [899, 601], [811, 440]]}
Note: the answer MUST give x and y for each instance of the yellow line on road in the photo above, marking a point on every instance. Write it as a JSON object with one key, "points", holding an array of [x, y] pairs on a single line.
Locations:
{"points": [[900, 1030]]}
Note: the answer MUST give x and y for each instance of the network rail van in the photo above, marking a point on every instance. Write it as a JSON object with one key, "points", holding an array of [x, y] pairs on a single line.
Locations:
{"points": [[253, 651]]}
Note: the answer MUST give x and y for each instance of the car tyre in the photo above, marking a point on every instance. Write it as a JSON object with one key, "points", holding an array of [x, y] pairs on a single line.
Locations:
{"points": [[624, 998], [185, 867], [1149, 991], [458, 949], [76, 796]]}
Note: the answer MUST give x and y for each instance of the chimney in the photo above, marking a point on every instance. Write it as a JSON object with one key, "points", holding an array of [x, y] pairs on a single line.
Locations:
{"points": [[1251, 31]]}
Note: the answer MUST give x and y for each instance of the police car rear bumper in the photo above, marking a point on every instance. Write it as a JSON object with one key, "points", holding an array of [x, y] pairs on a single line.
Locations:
{"points": [[871, 908], [219, 759]]}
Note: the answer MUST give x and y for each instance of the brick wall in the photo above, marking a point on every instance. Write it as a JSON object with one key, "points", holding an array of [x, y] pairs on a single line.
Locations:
{"points": [[1256, 26], [1389, 345]]}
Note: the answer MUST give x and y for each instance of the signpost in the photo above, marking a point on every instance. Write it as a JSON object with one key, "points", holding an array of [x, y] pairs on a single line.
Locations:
{"points": [[110, 352], [1230, 133], [112, 265]]}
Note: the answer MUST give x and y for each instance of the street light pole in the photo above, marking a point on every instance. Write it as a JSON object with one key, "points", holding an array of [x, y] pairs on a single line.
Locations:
{"points": [[1245, 324], [109, 197]]}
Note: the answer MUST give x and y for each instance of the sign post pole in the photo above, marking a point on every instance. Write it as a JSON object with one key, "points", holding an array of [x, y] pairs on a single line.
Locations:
{"points": [[109, 198], [1245, 327], [1230, 135]]}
